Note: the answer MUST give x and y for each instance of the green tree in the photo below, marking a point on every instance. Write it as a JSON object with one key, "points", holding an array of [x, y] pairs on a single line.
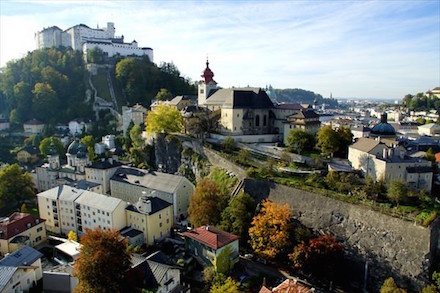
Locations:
{"points": [[244, 156], [430, 289], [24, 209], [228, 144], [137, 153], [89, 142], [397, 191], [206, 204], [223, 262], [102, 262], [299, 139], [328, 140], [23, 97], [95, 55], [270, 230], [45, 103], [236, 218], [436, 279], [389, 286], [164, 119], [46, 143], [163, 95], [345, 138], [228, 286], [15, 186]]}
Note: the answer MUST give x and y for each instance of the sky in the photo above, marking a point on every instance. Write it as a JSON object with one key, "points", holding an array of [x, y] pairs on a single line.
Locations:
{"points": [[352, 49]]}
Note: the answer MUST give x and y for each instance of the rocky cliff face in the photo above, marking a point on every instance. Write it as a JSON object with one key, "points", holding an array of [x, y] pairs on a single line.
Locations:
{"points": [[167, 153], [175, 154], [391, 246]]}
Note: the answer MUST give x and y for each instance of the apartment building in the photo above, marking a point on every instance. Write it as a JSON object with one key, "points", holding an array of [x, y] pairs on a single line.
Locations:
{"points": [[128, 184]]}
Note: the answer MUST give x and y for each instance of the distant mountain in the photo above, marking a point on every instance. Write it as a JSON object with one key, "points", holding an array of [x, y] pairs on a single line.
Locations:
{"points": [[298, 96]]}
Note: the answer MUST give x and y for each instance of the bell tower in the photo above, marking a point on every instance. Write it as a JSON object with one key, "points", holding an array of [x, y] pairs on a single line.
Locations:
{"points": [[206, 84]]}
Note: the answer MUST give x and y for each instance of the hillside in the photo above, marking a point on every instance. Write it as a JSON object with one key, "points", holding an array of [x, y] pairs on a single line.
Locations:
{"points": [[50, 85], [298, 96]]}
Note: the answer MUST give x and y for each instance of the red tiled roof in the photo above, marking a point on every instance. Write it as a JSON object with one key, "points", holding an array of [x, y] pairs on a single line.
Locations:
{"points": [[291, 286], [211, 236], [17, 223], [264, 290]]}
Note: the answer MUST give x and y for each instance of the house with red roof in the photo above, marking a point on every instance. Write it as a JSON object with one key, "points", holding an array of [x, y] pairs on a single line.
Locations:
{"points": [[206, 243], [20, 229]]}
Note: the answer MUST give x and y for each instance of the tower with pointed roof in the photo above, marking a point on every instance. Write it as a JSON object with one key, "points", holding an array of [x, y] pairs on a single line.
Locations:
{"points": [[206, 84]]}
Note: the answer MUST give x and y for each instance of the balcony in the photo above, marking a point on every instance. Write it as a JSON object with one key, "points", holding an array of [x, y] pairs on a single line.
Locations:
{"points": [[78, 214], [78, 206]]}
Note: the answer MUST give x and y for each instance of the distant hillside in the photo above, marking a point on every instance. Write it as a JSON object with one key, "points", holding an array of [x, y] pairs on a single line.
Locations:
{"points": [[298, 96]]}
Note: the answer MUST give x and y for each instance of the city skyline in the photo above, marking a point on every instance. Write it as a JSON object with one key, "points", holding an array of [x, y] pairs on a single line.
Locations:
{"points": [[368, 49]]}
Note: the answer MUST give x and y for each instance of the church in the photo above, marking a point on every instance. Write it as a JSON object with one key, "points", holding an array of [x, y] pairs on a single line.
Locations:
{"points": [[248, 114]]}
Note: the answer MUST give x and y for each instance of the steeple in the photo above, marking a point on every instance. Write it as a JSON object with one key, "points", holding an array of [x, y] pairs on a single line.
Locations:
{"points": [[207, 74], [206, 85]]}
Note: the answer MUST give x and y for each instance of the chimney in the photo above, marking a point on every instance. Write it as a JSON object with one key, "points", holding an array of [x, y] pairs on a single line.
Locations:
{"points": [[390, 153], [148, 206], [207, 228]]}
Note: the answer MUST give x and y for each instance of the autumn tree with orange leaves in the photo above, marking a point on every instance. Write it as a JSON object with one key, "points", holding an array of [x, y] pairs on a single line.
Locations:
{"points": [[102, 262], [206, 204], [321, 255], [269, 233]]}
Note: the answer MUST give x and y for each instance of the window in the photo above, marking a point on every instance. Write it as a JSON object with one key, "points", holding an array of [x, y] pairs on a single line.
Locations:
{"points": [[38, 239], [168, 220], [264, 120], [107, 214], [257, 120], [160, 224], [39, 229], [160, 216]]}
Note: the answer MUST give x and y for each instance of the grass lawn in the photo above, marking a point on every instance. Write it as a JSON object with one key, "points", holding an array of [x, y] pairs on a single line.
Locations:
{"points": [[100, 83]]}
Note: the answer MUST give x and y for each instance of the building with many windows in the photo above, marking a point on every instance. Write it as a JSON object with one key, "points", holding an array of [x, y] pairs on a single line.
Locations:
{"points": [[151, 215], [129, 183], [67, 209], [387, 160]]}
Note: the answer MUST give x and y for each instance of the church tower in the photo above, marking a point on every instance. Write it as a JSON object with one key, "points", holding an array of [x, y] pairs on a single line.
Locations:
{"points": [[206, 85], [53, 157]]}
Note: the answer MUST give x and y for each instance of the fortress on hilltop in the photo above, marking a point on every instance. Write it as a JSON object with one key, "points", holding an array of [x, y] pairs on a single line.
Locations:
{"points": [[81, 37]]}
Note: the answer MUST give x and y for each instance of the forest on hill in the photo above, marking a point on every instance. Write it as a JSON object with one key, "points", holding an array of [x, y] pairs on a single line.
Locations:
{"points": [[50, 85], [298, 96], [47, 84]]}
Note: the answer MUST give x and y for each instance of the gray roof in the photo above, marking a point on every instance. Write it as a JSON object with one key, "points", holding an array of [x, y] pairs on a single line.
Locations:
{"points": [[153, 180], [25, 256], [304, 114], [155, 268], [157, 204], [62, 192], [365, 144], [98, 201], [83, 184], [239, 98], [104, 165], [5, 275]]}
